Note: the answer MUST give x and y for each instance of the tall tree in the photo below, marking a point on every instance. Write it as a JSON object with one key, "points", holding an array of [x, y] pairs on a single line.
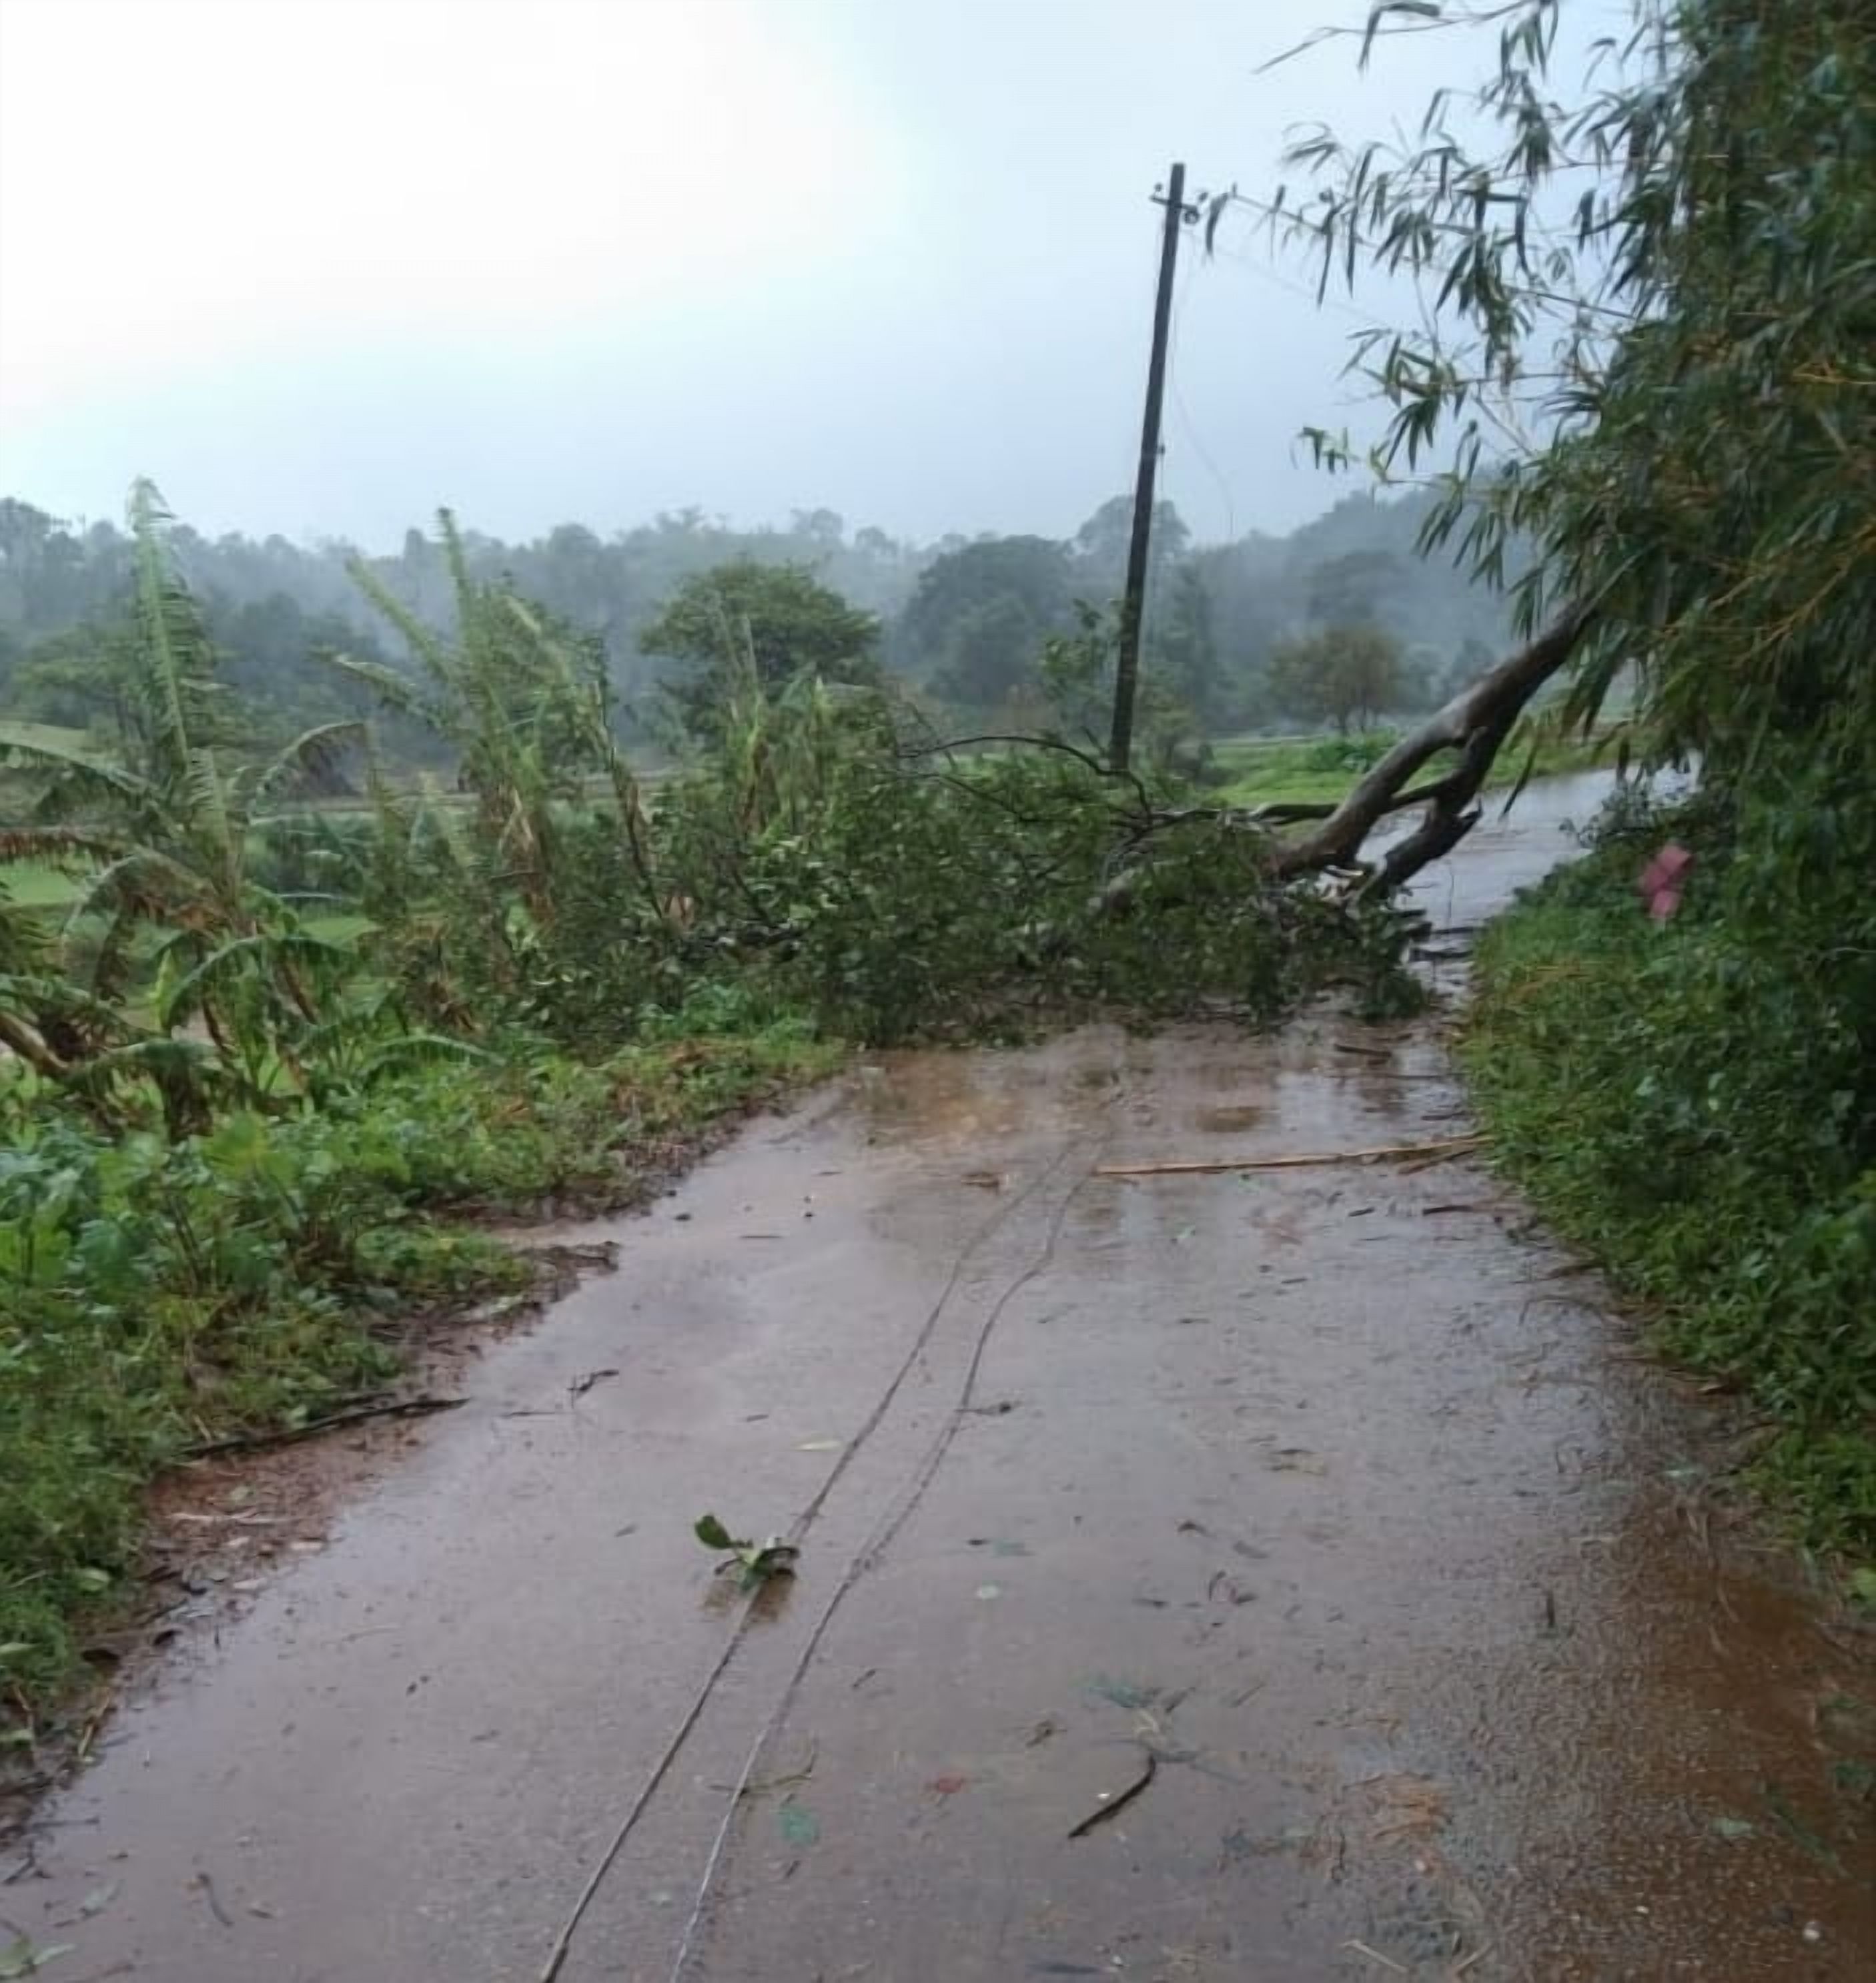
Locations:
{"points": [[1184, 651], [1352, 589], [980, 614], [992, 650], [1347, 676], [1102, 544], [781, 616]]}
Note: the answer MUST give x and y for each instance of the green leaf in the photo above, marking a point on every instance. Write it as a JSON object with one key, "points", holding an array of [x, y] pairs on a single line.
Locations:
{"points": [[799, 1825], [713, 1535]]}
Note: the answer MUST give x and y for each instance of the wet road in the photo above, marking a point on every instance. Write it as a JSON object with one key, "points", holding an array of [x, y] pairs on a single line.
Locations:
{"points": [[1274, 1573]]}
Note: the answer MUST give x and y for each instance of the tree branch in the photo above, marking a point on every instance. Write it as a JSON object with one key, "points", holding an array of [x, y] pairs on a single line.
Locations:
{"points": [[1475, 722], [1287, 812], [1087, 759]]}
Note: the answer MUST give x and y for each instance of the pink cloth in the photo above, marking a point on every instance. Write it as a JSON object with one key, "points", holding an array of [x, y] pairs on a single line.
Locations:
{"points": [[1663, 879]]}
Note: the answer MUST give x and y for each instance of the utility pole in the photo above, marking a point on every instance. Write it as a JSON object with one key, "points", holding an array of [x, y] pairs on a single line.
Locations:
{"points": [[1133, 605]]}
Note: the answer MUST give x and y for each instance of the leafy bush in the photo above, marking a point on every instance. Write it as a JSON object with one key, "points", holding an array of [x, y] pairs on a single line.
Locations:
{"points": [[147, 1300]]}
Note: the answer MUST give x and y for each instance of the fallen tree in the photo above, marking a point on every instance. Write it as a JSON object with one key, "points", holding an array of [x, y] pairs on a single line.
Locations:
{"points": [[1475, 723]]}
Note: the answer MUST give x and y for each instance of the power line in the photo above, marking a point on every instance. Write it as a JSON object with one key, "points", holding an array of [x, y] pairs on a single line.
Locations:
{"points": [[1187, 424], [1334, 306]]}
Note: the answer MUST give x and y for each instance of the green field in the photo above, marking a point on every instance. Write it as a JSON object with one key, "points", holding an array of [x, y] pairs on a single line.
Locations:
{"points": [[33, 885], [1299, 771]]}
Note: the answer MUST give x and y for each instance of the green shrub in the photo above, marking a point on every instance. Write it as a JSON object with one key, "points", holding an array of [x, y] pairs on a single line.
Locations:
{"points": [[1696, 1102]]}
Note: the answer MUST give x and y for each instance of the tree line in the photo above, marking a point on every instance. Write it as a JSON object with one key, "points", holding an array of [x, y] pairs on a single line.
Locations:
{"points": [[1338, 622]]}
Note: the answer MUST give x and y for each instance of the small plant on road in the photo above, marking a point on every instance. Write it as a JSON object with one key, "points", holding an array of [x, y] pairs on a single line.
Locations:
{"points": [[754, 1562]]}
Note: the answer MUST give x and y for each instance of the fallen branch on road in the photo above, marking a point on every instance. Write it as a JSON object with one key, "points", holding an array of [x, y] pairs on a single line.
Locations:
{"points": [[1207, 1166]]}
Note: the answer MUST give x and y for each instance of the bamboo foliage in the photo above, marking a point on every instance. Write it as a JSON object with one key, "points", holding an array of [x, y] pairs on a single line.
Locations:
{"points": [[1648, 303]]}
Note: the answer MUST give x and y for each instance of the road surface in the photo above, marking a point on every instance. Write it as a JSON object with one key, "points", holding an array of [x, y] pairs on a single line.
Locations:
{"points": [[1269, 1574]]}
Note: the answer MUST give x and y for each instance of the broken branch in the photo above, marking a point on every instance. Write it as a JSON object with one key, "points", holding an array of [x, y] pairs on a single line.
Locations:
{"points": [[1208, 1166], [255, 1442], [1119, 1801], [1474, 724]]}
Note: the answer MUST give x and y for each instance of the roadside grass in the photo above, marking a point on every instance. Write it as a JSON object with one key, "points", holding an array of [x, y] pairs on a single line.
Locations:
{"points": [[162, 1296], [1666, 1098]]}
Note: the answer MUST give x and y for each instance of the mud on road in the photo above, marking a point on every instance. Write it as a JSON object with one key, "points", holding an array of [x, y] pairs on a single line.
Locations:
{"points": [[1270, 1573]]}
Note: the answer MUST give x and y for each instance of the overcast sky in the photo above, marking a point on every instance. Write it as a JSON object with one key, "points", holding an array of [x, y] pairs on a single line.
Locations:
{"points": [[319, 266]]}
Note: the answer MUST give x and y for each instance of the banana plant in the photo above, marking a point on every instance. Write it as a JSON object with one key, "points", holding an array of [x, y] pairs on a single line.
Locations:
{"points": [[157, 832], [524, 703]]}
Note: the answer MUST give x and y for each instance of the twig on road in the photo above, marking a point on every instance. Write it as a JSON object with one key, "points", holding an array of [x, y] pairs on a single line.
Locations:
{"points": [[256, 1441], [1120, 1801]]}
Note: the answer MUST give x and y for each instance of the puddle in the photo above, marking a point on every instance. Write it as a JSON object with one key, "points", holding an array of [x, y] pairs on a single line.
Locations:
{"points": [[1230, 1119]]}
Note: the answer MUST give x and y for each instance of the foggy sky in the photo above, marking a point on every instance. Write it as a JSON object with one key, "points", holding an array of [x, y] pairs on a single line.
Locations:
{"points": [[319, 266]]}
